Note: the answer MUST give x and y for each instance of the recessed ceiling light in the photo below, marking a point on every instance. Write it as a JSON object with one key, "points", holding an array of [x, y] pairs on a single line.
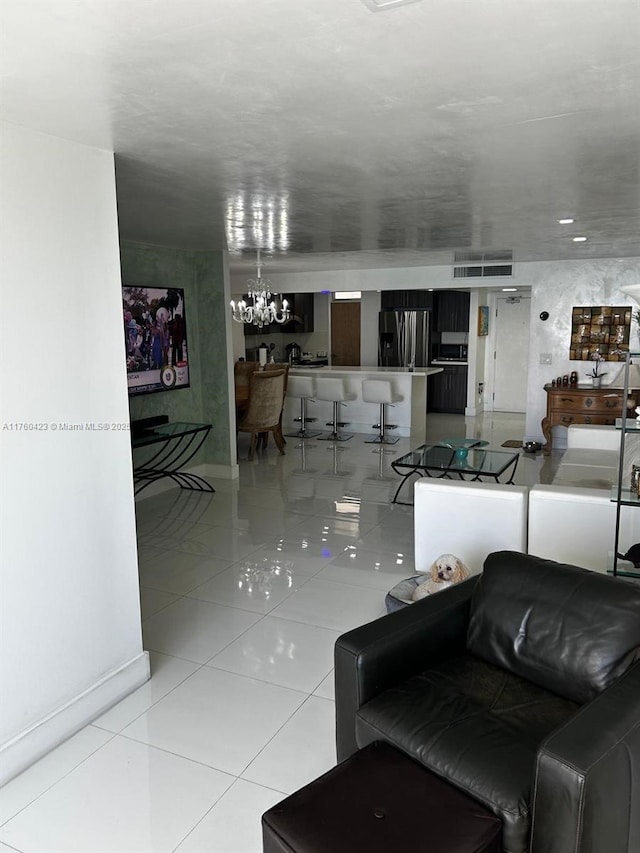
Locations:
{"points": [[509, 289], [381, 5], [579, 239], [565, 221]]}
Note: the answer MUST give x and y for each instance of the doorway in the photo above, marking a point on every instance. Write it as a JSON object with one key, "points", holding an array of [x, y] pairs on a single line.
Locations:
{"points": [[345, 334], [511, 353]]}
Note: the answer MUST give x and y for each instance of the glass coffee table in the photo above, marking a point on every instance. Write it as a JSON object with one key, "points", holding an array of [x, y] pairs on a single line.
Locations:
{"points": [[466, 459], [461, 446]]}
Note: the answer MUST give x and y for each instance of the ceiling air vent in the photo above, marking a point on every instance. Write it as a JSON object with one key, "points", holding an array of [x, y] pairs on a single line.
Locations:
{"points": [[497, 263]]}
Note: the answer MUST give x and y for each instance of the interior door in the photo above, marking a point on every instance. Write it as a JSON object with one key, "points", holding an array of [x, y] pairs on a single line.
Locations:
{"points": [[511, 358], [345, 334]]}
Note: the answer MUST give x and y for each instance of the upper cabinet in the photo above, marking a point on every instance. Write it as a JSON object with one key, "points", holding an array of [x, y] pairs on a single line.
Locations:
{"points": [[451, 311], [301, 308], [450, 307], [406, 300], [301, 320]]}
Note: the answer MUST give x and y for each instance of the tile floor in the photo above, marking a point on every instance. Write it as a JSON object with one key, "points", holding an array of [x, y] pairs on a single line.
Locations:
{"points": [[243, 595]]}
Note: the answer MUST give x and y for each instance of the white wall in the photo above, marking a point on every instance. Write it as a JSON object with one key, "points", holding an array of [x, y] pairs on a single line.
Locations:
{"points": [[237, 338], [70, 642], [369, 311], [476, 358], [319, 340], [556, 288], [403, 278]]}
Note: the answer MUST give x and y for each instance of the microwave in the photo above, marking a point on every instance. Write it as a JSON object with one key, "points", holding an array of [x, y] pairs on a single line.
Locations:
{"points": [[453, 351]]}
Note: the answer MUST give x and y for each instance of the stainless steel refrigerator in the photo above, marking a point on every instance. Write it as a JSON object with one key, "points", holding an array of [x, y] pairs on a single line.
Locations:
{"points": [[403, 339]]}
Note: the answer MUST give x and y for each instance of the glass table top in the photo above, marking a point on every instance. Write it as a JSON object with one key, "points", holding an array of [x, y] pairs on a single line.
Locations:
{"points": [[177, 429], [461, 443], [477, 461]]}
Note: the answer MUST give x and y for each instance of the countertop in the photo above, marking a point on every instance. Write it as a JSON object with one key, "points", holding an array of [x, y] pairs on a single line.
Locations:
{"points": [[450, 361], [388, 371]]}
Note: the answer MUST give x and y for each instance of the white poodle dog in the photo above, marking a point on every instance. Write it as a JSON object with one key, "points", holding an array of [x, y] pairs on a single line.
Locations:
{"points": [[445, 571]]}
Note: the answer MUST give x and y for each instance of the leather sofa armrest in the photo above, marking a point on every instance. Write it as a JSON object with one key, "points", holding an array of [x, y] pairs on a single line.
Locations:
{"points": [[374, 657], [587, 785]]}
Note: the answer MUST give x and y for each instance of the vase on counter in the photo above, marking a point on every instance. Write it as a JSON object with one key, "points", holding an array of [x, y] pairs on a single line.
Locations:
{"points": [[596, 381]]}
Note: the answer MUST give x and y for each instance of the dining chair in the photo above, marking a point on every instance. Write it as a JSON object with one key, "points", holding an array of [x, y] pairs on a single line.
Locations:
{"points": [[242, 370], [277, 365], [264, 409]]}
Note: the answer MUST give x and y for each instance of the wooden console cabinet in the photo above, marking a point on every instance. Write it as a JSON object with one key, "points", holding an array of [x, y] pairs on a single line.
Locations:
{"points": [[569, 404]]}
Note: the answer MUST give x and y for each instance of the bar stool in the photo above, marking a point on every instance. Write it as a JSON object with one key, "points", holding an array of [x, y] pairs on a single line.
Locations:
{"points": [[302, 387], [333, 391], [381, 391]]}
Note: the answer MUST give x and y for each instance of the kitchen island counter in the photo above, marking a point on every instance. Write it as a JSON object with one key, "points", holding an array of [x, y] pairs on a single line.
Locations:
{"points": [[387, 371], [409, 414]]}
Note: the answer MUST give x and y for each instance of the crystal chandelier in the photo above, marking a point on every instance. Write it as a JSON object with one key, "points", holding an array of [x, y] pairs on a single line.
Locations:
{"points": [[260, 310]]}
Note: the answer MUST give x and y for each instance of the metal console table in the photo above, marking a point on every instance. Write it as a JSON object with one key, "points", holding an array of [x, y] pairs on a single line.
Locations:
{"points": [[177, 444]]}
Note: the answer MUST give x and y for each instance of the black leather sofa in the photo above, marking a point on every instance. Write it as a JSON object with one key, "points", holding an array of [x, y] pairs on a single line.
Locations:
{"points": [[520, 686]]}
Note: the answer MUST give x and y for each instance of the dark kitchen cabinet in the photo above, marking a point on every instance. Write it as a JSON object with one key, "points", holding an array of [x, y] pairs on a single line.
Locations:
{"points": [[250, 329], [301, 320], [301, 308], [447, 391], [406, 300], [451, 311]]}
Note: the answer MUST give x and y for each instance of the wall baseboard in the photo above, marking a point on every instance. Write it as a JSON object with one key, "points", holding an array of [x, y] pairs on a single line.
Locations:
{"points": [[224, 472], [33, 743]]}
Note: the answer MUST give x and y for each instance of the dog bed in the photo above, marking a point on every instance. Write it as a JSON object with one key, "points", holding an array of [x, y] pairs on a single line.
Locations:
{"points": [[400, 595]]}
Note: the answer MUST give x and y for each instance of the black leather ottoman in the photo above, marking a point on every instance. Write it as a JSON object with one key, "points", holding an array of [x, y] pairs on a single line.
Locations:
{"points": [[380, 801]]}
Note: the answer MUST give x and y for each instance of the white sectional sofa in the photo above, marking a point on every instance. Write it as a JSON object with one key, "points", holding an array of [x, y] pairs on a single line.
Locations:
{"points": [[571, 521], [467, 519]]}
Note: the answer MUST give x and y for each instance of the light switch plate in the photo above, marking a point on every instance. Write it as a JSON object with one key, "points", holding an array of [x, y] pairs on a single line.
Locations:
{"points": [[545, 358]]}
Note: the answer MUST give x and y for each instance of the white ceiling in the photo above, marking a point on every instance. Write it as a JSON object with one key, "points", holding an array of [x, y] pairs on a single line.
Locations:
{"points": [[336, 137]]}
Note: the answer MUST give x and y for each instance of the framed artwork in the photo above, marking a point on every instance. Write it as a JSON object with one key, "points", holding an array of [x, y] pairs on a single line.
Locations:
{"points": [[483, 320], [600, 328], [155, 336]]}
